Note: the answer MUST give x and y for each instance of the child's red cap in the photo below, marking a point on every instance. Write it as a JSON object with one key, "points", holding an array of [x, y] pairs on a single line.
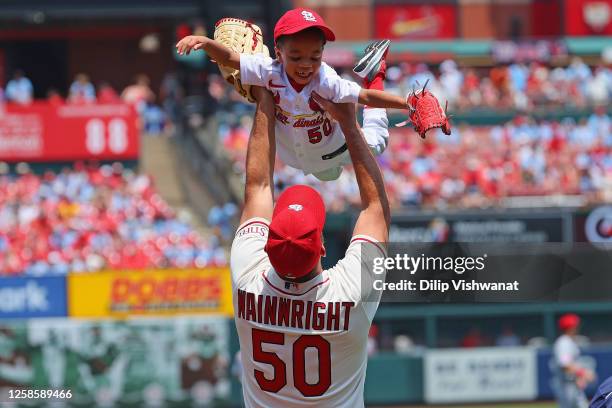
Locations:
{"points": [[300, 19]]}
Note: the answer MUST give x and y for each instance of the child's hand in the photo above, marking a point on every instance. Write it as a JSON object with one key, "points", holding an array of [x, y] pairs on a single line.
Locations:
{"points": [[191, 43]]}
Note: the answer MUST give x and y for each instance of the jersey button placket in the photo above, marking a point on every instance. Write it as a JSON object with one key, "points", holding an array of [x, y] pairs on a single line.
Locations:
{"points": [[298, 150]]}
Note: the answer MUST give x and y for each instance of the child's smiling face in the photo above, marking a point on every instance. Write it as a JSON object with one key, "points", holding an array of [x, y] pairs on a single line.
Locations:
{"points": [[301, 54]]}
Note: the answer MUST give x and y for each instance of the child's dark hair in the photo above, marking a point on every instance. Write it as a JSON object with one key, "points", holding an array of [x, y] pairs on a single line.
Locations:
{"points": [[316, 30]]}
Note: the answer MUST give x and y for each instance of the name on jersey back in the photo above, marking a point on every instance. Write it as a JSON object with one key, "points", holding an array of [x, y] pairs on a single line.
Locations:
{"points": [[295, 313]]}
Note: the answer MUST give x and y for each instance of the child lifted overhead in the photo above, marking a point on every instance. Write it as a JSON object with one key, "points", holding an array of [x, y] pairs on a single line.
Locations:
{"points": [[306, 137]]}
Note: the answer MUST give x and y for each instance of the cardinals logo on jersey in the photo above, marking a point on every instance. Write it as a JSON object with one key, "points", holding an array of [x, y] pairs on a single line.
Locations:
{"points": [[318, 122], [310, 119], [315, 106], [280, 114]]}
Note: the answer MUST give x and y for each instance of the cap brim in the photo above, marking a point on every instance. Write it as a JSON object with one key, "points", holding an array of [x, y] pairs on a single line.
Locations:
{"points": [[327, 32]]}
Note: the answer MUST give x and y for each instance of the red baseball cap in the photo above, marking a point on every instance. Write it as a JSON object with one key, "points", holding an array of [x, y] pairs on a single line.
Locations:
{"points": [[300, 19], [294, 242], [568, 321]]}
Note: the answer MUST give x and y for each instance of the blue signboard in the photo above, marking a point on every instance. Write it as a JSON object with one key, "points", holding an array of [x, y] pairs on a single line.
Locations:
{"points": [[24, 297]]}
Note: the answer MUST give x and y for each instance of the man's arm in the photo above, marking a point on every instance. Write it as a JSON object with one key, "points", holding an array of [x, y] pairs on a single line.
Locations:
{"points": [[375, 98], [261, 152], [375, 214], [217, 51]]}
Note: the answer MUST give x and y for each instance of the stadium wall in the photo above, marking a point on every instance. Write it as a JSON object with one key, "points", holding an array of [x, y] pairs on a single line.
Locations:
{"points": [[136, 338]]}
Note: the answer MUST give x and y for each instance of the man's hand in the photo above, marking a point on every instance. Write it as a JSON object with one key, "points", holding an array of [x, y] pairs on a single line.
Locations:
{"points": [[341, 112], [374, 217], [584, 378], [191, 42]]}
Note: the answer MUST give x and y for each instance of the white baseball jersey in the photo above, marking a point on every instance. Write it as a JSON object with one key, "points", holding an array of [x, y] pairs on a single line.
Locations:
{"points": [[305, 344], [306, 137], [566, 351]]}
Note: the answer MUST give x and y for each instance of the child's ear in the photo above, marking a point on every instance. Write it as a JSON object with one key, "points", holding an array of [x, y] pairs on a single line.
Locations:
{"points": [[279, 57]]}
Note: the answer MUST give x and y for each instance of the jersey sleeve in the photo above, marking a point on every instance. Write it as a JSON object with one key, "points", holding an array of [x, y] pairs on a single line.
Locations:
{"points": [[247, 251], [255, 69], [564, 352], [336, 88], [357, 272]]}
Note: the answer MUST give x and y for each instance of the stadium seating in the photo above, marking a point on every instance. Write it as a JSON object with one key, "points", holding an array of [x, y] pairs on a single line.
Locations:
{"points": [[94, 218], [475, 166], [515, 86]]}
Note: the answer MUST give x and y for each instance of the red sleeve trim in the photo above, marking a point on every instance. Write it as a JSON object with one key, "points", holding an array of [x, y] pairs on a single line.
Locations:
{"points": [[251, 223], [371, 242]]}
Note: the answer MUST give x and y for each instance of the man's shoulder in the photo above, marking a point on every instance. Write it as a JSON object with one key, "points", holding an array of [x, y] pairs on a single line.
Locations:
{"points": [[359, 254], [565, 341], [251, 234], [367, 245], [256, 227], [248, 249]]}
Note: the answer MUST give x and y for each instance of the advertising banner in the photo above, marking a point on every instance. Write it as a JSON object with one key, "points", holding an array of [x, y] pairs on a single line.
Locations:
{"points": [[528, 51], [594, 226], [49, 132], [480, 375], [484, 227], [412, 21], [150, 292], [32, 297], [588, 17], [174, 362]]}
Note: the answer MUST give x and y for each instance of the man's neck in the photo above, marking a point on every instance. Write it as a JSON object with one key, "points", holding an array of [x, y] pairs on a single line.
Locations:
{"points": [[311, 275]]}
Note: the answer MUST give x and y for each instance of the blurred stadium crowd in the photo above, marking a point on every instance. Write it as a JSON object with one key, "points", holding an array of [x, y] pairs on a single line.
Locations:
{"points": [[476, 166], [93, 218], [20, 90], [516, 86]]}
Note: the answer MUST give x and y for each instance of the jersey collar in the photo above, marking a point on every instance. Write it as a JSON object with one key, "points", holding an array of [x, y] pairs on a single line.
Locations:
{"points": [[282, 286], [308, 87], [297, 87]]}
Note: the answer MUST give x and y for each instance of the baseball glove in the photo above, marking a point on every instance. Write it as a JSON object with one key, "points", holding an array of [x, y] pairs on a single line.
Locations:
{"points": [[425, 112], [243, 38]]}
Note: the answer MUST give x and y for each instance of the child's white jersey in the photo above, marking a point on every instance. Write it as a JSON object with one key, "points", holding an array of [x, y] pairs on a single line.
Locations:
{"points": [[307, 138]]}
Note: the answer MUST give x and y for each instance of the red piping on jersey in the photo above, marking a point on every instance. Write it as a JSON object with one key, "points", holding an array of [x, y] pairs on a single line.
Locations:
{"points": [[295, 85], [252, 222], [273, 85], [289, 293], [371, 242]]}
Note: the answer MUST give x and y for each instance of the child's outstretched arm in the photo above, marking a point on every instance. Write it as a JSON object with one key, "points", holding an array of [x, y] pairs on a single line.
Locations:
{"points": [[217, 51], [381, 99]]}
